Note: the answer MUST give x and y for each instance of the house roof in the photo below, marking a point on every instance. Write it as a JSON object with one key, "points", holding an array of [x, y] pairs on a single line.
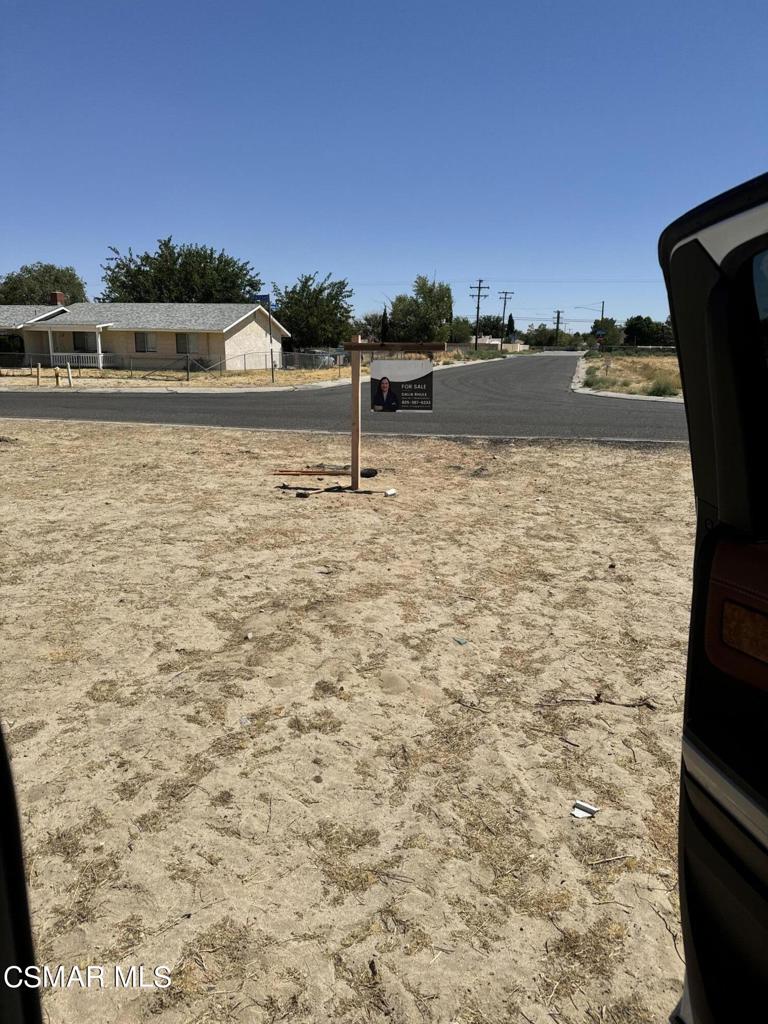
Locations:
{"points": [[156, 316], [14, 317]]}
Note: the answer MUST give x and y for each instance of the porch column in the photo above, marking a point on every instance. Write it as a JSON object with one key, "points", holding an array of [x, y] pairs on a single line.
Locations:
{"points": [[99, 357], [50, 344]]}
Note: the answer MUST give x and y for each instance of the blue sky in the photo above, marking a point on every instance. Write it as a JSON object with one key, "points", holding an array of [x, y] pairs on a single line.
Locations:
{"points": [[540, 145]]}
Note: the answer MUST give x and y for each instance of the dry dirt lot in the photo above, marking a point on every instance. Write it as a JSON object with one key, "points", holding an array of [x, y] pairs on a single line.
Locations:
{"points": [[319, 755]]}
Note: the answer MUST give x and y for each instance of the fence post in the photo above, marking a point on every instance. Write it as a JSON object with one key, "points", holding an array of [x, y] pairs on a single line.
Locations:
{"points": [[56, 374], [69, 374], [130, 364], [243, 362], [38, 374], [187, 367]]}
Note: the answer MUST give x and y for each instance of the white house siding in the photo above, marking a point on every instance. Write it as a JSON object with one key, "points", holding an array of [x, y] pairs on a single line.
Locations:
{"points": [[247, 346], [208, 347]]}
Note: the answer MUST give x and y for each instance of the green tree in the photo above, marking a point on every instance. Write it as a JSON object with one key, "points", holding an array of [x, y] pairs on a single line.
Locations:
{"points": [[607, 332], [643, 331], [424, 316], [178, 273], [32, 284], [369, 326], [510, 327], [462, 331], [317, 313], [544, 335], [490, 326]]}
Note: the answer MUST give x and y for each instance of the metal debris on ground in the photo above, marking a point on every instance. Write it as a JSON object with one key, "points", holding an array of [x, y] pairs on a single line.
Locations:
{"points": [[460, 641], [581, 809]]}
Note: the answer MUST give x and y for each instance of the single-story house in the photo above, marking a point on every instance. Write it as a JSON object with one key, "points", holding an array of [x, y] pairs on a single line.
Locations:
{"points": [[226, 335]]}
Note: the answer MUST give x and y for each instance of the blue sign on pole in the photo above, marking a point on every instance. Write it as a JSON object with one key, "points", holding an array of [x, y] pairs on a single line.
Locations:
{"points": [[264, 300]]}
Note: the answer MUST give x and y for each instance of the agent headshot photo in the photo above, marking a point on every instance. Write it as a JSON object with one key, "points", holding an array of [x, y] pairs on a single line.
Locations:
{"points": [[385, 399]]}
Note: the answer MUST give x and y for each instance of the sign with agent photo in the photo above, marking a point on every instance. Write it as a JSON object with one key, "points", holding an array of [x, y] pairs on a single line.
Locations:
{"points": [[401, 385]]}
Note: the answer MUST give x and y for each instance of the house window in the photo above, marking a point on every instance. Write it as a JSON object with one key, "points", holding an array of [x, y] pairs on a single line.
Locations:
{"points": [[186, 343], [145, 342], [84, 341]]}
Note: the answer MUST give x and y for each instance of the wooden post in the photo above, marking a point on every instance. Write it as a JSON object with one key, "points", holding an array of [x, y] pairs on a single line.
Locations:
{"points": [[56, 374], [38, 374], [69, 374], [187, 367], [355, 358]]}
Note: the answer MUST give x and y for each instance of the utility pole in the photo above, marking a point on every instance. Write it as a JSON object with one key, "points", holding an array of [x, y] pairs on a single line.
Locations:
{"points": [[558, 314], [482, 292], [505, 295]]}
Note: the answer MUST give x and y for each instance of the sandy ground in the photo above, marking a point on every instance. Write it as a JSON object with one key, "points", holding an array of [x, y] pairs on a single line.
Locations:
{"points": [[318, 756]]}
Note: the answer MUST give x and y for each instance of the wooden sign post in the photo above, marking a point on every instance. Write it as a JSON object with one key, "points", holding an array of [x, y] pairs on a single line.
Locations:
{"points": [[355, 360], [356, 347]]}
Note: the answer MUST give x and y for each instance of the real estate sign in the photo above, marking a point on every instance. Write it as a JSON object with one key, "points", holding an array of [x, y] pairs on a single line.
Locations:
{"points": [[401, 385]]}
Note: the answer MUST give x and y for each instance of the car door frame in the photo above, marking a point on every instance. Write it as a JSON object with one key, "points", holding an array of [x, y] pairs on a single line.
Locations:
{"points": [[706, 258]]}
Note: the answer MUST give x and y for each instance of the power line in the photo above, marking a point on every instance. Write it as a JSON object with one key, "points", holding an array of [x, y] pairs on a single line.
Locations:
{"points": [[482, 292]]}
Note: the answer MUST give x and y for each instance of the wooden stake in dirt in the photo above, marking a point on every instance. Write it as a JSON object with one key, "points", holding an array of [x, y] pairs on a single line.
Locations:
{"points": [[56, 374], [355, 360], [69, 374], [38, 374]]}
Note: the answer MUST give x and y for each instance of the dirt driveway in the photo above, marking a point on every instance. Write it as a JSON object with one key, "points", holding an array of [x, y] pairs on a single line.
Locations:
{"points": [[318, 756]]}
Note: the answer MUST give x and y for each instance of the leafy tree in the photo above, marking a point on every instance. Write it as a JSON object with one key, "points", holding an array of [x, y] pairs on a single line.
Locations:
{"points": [[424, 316], [317, 313], [32, 284], [510, 326], [462, 331], [490, 326], [370, 326], [607, 333], [642, 330], [544, 335], [178, 273]]}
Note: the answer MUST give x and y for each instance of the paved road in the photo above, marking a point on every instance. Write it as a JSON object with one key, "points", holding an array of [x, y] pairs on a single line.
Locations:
{"points": [[525, 396]]}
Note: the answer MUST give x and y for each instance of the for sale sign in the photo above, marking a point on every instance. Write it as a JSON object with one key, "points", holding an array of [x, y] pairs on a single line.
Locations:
{"points": [[401, 385]]}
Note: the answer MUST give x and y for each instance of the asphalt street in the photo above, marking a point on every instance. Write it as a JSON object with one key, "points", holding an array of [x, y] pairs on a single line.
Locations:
{"points": [[523, 396]]}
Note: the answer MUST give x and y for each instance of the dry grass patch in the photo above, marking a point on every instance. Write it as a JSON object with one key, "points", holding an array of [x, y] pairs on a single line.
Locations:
{"points": [[635, 375], [578, 955]]}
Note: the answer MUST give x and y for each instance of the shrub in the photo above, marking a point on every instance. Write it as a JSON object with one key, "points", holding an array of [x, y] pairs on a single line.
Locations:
{"points": [[661, 388]]}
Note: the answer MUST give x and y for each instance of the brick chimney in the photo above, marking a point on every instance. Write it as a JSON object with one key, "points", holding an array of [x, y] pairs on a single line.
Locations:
{"points": [[57, 299]]}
